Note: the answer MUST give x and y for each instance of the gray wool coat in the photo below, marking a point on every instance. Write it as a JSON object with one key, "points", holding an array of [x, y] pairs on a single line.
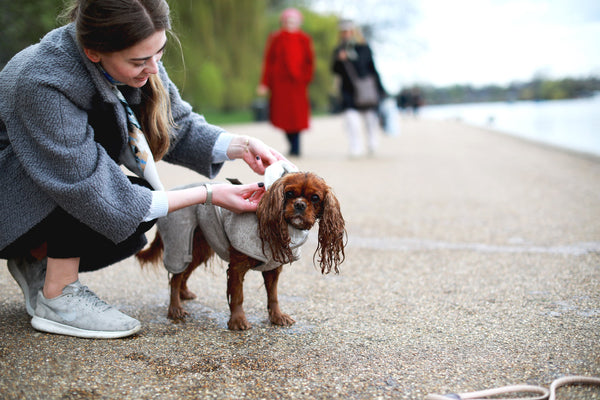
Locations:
{"points": [[62, 131]]}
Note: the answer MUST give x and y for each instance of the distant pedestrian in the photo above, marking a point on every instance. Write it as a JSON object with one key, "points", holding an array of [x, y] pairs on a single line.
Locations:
{"points": [[353, 61], [287, 71], [404, 99], [416, 100], [410, 99]]}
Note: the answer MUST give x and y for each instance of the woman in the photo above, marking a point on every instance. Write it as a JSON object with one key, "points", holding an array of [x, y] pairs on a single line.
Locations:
{"points": [[66, 126], [287, 71], [353, 56]]}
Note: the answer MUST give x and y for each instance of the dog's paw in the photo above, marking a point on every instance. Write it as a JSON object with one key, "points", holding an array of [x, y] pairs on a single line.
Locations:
{"points": [[187, 294], [177, 314], [238, 324], [281, 319]]}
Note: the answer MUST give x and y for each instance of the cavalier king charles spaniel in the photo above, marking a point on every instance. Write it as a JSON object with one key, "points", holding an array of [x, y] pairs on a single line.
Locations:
{"points": [[264, 241]]}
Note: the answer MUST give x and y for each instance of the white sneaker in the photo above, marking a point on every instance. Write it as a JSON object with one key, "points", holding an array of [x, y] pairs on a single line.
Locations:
{"points": [[79, 312], [30, 275]]}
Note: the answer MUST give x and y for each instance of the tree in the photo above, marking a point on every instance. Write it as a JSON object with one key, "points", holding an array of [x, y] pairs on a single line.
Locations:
{"points": [[219, 42], [223, 44], [216, 55], [24, 22], [323, 30]]}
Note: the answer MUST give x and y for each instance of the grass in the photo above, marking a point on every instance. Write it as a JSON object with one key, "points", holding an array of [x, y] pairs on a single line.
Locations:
{"points": [[239, 117], [228, 118]]}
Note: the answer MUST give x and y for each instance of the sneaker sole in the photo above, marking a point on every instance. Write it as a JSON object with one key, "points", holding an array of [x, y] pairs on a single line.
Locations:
{"points": [[46, 325], [16, 273]]}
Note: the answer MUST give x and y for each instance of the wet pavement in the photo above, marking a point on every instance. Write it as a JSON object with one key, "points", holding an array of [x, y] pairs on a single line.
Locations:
{"points": [[473, 262]]}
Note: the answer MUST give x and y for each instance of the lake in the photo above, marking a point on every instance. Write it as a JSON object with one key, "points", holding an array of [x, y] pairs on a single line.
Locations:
{"points": [[570, 124]]}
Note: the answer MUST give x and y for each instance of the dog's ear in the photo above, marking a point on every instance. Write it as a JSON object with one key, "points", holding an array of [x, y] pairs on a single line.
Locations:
{"points": [[332, 235], [272, 227]]}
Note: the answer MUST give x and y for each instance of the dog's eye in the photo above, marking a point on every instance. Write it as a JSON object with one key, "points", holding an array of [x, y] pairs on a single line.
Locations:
{"points": [[289, 194], [315, 198]]}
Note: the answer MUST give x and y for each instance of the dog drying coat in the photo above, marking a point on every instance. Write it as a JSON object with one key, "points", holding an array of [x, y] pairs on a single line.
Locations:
{"points": [[221, 228]]}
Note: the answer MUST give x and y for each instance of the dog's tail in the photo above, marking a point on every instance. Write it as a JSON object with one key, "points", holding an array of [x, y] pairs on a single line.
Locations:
{"points": [[152, 254]]}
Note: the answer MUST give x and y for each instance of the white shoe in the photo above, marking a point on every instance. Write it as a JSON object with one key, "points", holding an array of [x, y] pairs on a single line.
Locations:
{"points": [[79, 312], [30, 275]]}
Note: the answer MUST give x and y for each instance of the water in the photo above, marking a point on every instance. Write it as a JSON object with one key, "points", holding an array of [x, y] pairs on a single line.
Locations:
{"points": [[570, 124]]}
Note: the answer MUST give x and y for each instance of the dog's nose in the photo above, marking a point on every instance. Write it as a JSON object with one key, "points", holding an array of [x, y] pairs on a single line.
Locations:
{"points": [[299, 205]]}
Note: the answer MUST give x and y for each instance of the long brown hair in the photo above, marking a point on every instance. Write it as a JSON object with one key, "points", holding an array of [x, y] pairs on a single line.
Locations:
{"points": [[114, 25]]}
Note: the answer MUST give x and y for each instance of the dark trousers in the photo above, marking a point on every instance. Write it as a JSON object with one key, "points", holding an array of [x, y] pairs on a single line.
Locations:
{"points": [[294, 141], [63, 236]]}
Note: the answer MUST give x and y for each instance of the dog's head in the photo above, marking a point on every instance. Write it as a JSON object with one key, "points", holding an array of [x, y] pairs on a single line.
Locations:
{"points": [[300, 199]]}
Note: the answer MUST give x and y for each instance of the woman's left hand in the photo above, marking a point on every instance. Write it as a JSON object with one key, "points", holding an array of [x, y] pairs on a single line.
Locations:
{"points": [[238, 198], [254, 152]]}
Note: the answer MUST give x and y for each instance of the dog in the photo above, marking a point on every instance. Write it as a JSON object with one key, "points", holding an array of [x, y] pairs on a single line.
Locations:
{"points": [[263, 241]]}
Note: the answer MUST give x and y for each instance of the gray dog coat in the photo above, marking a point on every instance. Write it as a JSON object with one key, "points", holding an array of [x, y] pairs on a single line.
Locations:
{"points": [[221, 228]]}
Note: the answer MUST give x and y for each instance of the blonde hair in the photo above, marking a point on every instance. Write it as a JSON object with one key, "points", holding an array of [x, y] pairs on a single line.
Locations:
{"points": [[115, 25], [346, 25], [156, 118]]}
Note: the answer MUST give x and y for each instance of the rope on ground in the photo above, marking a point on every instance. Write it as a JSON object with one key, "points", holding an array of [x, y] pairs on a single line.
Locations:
{"points": [[544, 393]]}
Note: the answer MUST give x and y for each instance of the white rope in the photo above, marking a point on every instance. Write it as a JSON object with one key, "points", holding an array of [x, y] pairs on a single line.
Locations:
{"points": [[545, 393]]}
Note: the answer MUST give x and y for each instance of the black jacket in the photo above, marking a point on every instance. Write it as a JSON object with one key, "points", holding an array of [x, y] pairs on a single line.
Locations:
{"points": [[363, 65]]}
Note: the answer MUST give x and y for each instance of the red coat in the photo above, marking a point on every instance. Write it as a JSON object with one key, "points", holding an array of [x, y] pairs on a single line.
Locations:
{"points": [[287, 71]]}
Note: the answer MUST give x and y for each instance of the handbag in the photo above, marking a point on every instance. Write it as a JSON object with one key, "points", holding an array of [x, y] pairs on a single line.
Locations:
{"points": [[366, 92]]}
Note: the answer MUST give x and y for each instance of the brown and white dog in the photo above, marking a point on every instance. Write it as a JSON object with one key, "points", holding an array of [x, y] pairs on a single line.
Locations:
{"points": [[286, 212]]}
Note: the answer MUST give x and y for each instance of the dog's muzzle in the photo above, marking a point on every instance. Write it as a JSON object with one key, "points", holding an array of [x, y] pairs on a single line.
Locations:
{"points": [[299, 205]]}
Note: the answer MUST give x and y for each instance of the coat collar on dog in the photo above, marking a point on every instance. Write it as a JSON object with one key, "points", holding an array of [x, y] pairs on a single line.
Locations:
{"points": [[276, 171]]}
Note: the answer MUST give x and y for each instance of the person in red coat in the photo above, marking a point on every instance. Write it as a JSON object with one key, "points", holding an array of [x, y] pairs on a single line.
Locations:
{"points": [[287, 71]]}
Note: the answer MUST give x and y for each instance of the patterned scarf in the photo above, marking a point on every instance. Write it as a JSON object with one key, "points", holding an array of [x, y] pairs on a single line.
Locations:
{"points": [[139, 160]]}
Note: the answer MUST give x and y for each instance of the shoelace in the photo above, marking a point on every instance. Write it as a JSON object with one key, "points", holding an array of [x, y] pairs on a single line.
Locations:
{"points": [[85, 293]]}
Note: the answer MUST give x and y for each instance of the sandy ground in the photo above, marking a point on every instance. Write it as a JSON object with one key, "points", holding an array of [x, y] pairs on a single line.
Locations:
{"points": [[473, 262]]}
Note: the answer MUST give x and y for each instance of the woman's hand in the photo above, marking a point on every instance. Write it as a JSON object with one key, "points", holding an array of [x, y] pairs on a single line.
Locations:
{"points": [[237, 198], [254, 152], [262, 90]]}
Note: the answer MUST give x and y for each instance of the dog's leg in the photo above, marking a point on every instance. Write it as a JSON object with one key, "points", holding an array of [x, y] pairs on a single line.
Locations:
{"points": [[235, 297], [176, 311], [184, 292], [275, 315], [201, 253]]}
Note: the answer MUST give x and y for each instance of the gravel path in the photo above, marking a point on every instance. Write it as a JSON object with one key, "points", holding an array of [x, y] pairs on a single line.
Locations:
{"points": [[473, 262]]}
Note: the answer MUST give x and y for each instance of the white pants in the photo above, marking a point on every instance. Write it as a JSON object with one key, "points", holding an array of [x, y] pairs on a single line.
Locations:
{"points": [[354, 125]]}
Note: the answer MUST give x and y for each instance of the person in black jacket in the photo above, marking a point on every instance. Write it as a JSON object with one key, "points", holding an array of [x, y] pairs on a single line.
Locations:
{"points": [[353, 57]]}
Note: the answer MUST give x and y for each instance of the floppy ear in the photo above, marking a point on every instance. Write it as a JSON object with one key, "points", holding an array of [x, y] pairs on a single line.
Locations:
{"points": [[272, 228], [332, 235]]}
